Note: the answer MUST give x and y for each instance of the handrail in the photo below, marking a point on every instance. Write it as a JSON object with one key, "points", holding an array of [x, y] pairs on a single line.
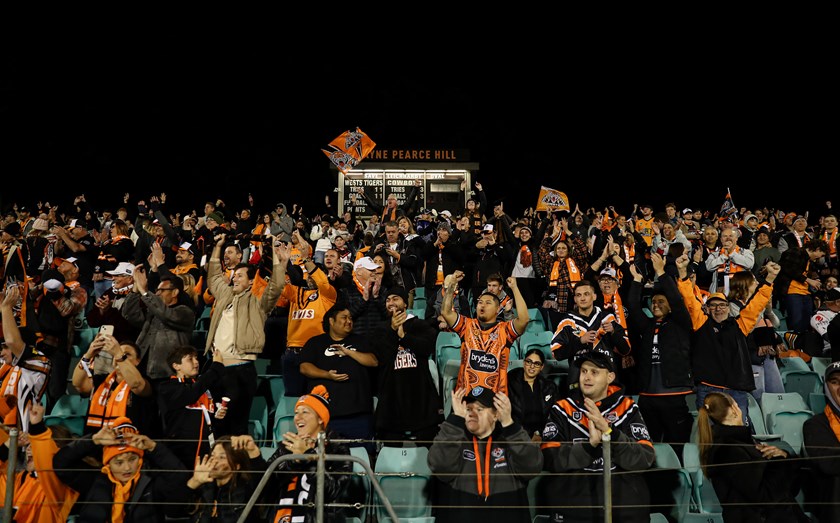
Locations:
{"points": [[321, 457]]}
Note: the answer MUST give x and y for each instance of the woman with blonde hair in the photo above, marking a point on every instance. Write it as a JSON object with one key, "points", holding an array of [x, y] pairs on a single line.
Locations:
{"points": [[763, 340], [755, 482]]}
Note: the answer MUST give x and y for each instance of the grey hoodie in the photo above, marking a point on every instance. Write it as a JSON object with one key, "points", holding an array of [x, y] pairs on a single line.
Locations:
{"points": [[282, 230]]}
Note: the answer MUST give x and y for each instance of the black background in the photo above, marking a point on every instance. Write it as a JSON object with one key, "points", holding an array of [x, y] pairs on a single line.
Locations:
{"points": [[201, 121]]}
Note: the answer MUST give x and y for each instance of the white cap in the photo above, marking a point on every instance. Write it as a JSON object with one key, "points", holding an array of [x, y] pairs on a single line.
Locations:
{"points": [[488, 227], [123, 269], [608, 271], [365, 263], [446, 213], [185, 246], [71, 259]]}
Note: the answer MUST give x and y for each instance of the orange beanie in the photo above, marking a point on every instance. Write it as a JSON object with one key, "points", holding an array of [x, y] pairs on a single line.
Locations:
{"points": [[123, 427], [319, 401]]}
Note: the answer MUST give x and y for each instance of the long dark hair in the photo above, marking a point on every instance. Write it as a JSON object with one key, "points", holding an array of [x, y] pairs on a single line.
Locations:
{"points": [[238, 459]]}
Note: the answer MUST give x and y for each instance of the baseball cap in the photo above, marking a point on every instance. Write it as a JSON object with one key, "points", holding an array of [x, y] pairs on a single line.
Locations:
{"points": [[425, 211], [187, 246], [482, 395], [687, 211], [831, 369], [365, 263], [488, 227], [599, 358], [71, 260], [608, 271], [122, 269], [446, 213], [717, 296]]}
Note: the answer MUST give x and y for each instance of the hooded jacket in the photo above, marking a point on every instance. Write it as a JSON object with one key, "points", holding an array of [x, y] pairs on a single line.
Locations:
{"points": [[282, 229], [566, 449], [821, 436]]}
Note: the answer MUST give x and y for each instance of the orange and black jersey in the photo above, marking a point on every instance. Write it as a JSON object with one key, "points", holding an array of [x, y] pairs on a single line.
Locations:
{"points": [[484, 353], [566, 444]]}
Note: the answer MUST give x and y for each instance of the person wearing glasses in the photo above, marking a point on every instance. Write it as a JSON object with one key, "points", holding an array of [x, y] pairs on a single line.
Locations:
{"points": [[164, 319], [720, 354], [531, 393]]}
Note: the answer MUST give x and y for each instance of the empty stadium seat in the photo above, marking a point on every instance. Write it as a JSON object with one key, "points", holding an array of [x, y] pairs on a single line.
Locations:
{"points": [[757, 421], [819, 365], [258, 418], [704, 500], [72, 405], [534, 340], [793, 363], [358, 488], [803, 382], [817, 402], [282, 425], [669, 483], [447, 346], [404, 475], [785, 414]]}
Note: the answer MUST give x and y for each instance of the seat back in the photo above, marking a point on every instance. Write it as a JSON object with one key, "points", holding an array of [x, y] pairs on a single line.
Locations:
{"points": [[789, 425], [71, 405], [358, 488], [447, 346], [536, 340], [283, 424], [794, 363], [669, 484], [703, 494], [404, 475], [756, 416], [817, 402], [776, 401], [819, 365], [802, 381]]}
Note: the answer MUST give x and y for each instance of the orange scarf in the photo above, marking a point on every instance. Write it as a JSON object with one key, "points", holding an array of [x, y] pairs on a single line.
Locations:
{"points": [[483, 488], [122, 492], [614, 304], [571, 267], [833, 420], [107, 402], [831, 240], [359, 286]]}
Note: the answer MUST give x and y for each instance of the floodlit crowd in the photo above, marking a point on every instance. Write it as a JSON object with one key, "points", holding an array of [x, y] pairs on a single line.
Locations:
{"points": [[157, 361]]}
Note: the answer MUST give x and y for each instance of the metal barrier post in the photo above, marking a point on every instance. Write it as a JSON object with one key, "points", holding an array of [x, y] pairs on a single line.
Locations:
{"points": [[605, 449], [10, 476], [320, 470]]}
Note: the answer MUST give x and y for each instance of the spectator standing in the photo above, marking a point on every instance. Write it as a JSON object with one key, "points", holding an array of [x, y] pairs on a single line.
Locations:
{"points": [[409, 406], [307, 306], [165, 321], [720, 354], [728, 260], [24, 372], [484, 460], [572, 447], [187, 408], [485, 342], [237, 329], [663, 356], [122, 392], [796, 285], [339, 360]]}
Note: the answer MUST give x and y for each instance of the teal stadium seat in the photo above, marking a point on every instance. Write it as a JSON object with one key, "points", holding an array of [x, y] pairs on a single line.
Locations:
{"points": [[669, 483], [404, 476], [705, 505], [535, 340], [820, 365], [359, 488], [785, 414]]}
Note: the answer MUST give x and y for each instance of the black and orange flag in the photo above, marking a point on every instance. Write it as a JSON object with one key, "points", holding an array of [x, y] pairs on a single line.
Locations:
{"points": [[348, 149], [551, 200], [728, 210]]}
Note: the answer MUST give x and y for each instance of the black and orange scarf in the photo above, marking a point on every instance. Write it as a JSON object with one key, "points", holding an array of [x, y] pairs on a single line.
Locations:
{"points": [[108, 402]]}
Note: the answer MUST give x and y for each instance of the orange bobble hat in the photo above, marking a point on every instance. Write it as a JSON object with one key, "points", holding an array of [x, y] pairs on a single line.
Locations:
{"points": [[123, 427], [319, 401]]}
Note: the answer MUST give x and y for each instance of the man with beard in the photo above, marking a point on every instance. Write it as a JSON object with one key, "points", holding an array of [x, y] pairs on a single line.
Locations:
{"points": [[409, 405]]}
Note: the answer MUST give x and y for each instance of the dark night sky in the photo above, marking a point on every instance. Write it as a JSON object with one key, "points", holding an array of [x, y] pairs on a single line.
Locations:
{"points": [[109, 120]]}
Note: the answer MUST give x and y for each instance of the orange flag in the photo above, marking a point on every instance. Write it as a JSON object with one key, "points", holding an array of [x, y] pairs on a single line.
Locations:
{"points": [[348, 149], [552, 200]]}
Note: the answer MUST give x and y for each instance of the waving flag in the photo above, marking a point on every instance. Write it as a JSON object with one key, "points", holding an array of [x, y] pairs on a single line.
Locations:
{"points": [[552, 200], [728, 210], [348, 149]]}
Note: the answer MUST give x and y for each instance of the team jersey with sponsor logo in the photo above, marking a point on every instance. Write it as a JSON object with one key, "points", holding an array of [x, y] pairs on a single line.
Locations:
{"points": [[307, 309], [484, 353]]}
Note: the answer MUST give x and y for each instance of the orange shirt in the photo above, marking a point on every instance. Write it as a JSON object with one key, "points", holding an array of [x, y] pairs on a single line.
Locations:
{"points": [[307, 309], [484, 354]]}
